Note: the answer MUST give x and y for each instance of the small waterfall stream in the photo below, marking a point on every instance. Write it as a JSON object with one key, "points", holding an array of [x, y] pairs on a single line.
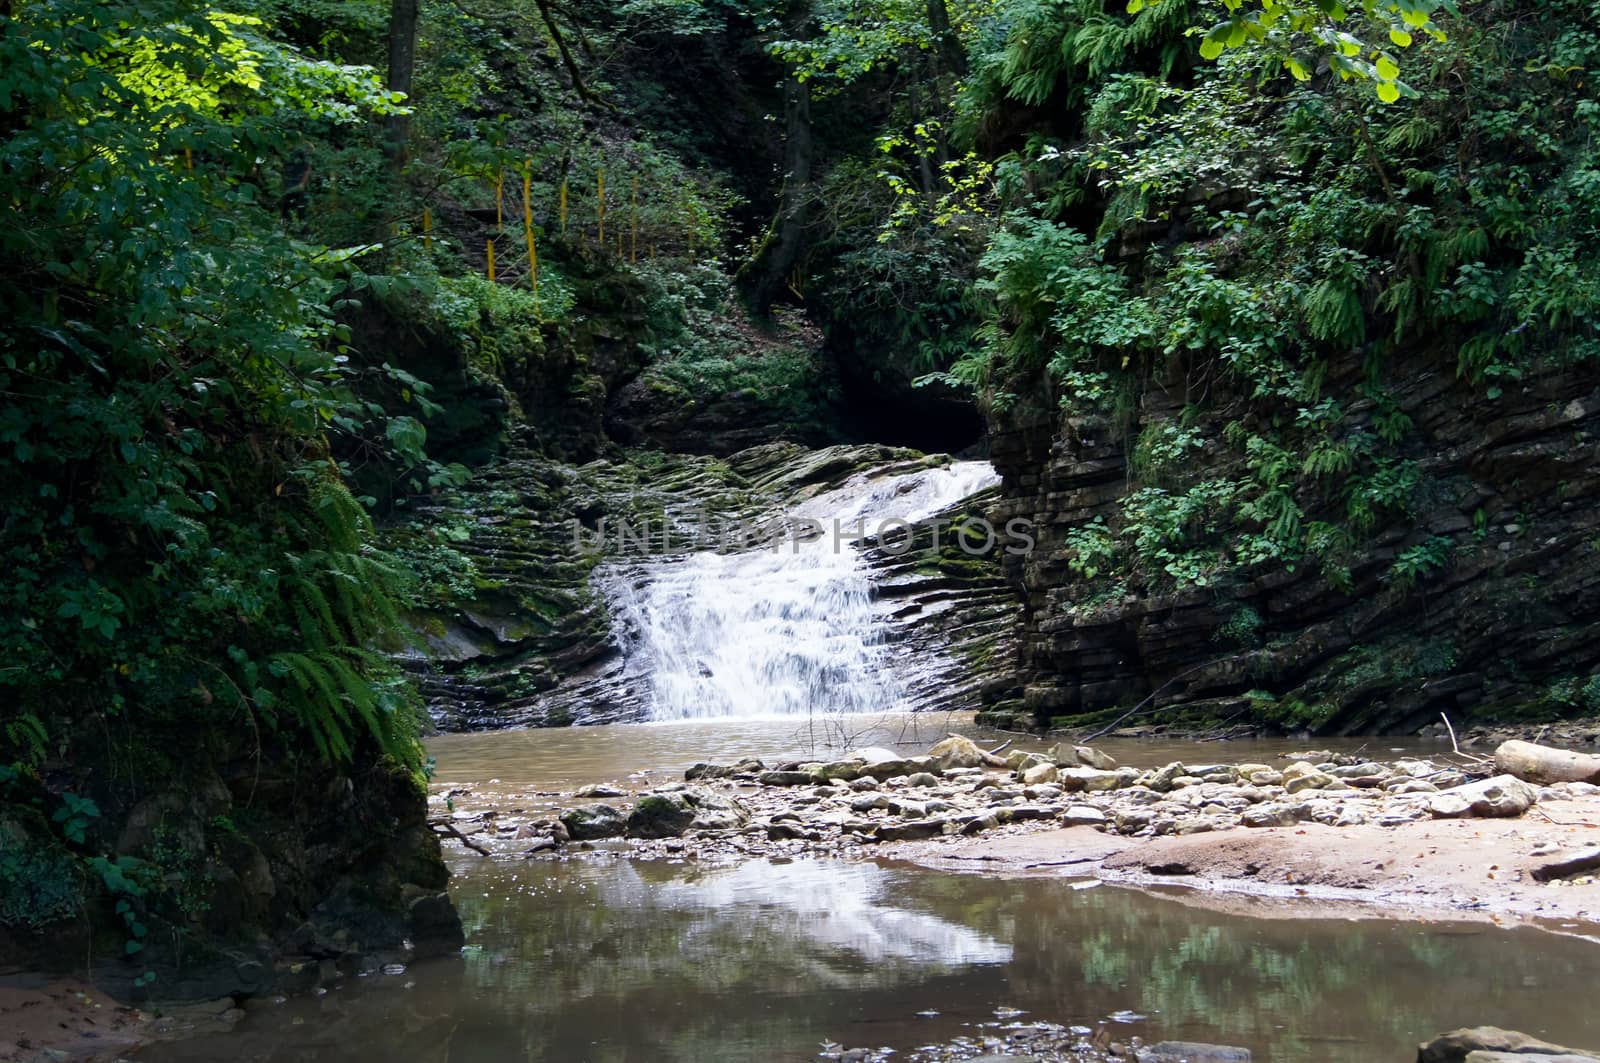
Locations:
{"points": [[782, 630]]}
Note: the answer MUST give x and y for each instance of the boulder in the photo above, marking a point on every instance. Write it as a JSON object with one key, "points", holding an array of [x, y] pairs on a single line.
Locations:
{"points": [[599, 789], [844, 770], [1503, 795], [1311, 780], [1161, 781], [1270, 815], [1546, 765], [959, 752], [1092, 780], [1040, 773], [590, 822], [786, 778], [660, 816], [1458, 1046], [1020, 760], [911, 831], [714, 811], [1449, 806], [1083, 816], [748, 766]]}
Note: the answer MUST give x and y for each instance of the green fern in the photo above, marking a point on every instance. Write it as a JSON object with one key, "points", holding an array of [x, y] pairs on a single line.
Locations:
{"points": [[29, 737]]}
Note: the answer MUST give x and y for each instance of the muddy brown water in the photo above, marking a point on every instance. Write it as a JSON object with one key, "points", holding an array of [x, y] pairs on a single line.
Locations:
{"points": [[604, 960]]}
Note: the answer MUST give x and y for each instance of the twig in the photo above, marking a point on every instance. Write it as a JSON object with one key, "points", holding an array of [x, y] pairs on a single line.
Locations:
{"points": [[997, 749], [1452, 730], [1474, 757], [1157, 692], [1564, 822], [449, 830]]}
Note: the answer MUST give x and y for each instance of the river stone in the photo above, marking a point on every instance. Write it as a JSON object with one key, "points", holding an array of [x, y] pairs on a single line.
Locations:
{"points": [[845, 770], [1413, 786], [1020, 760], [1311, 780], [714, 811], [912, 831], [1040, 773], [788, 831], [1134, 820], [979, 824], [747, 766], [1458, 1046], [1503, 795], [922, 778], [660, 816], [1083, 816], [1191, 1052], [863, 784], [869, 802], [599, 789], [1092, 780], [1161, 780], [589, 822], [786, 778], [957, 752], [908, 809], [1270, 815], [1450, 806]]}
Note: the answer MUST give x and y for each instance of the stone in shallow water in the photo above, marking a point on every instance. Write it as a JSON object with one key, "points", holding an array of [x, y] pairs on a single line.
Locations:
{"points": [[590, 822], [1474, 1043], [1191, 1052], [660, 816]]}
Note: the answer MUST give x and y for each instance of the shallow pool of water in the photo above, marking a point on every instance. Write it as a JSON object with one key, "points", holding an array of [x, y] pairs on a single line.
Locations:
{"points": [[565, 758], [604, 960], [607, 961]]}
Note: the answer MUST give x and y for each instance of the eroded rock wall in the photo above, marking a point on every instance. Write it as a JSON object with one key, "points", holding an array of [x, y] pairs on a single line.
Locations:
{"points": [[1511, 483]]}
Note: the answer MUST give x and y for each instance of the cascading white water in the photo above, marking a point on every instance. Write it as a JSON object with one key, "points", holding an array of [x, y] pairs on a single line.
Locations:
{"points": [[781, 631]]}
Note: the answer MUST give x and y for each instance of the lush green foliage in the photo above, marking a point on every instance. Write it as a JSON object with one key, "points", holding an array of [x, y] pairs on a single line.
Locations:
{"points": [[189, 577], [1287, 230]]}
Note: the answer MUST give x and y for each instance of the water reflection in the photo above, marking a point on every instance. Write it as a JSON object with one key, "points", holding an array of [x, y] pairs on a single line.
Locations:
{"points": [[614, 962]]}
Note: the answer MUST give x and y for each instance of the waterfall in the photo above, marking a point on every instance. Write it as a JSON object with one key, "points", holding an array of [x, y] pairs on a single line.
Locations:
{"points": [[788, 630]]}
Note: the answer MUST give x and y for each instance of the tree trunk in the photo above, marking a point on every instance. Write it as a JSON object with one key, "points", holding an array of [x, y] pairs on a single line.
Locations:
{"points": [[1545, 765], [402, 68], [764, 276], [944, 36]]}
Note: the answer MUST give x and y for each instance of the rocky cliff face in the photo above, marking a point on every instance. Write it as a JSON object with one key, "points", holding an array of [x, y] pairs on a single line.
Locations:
{"points": [[1504, 625]]}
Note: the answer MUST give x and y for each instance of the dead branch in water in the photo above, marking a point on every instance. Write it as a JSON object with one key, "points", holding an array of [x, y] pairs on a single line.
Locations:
{"points": [[1473, 757], [448, 830]]}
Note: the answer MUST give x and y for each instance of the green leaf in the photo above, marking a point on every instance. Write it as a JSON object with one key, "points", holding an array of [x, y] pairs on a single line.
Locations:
{"points": [[1400, 37], [1388, 92], [1388, 69]]}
